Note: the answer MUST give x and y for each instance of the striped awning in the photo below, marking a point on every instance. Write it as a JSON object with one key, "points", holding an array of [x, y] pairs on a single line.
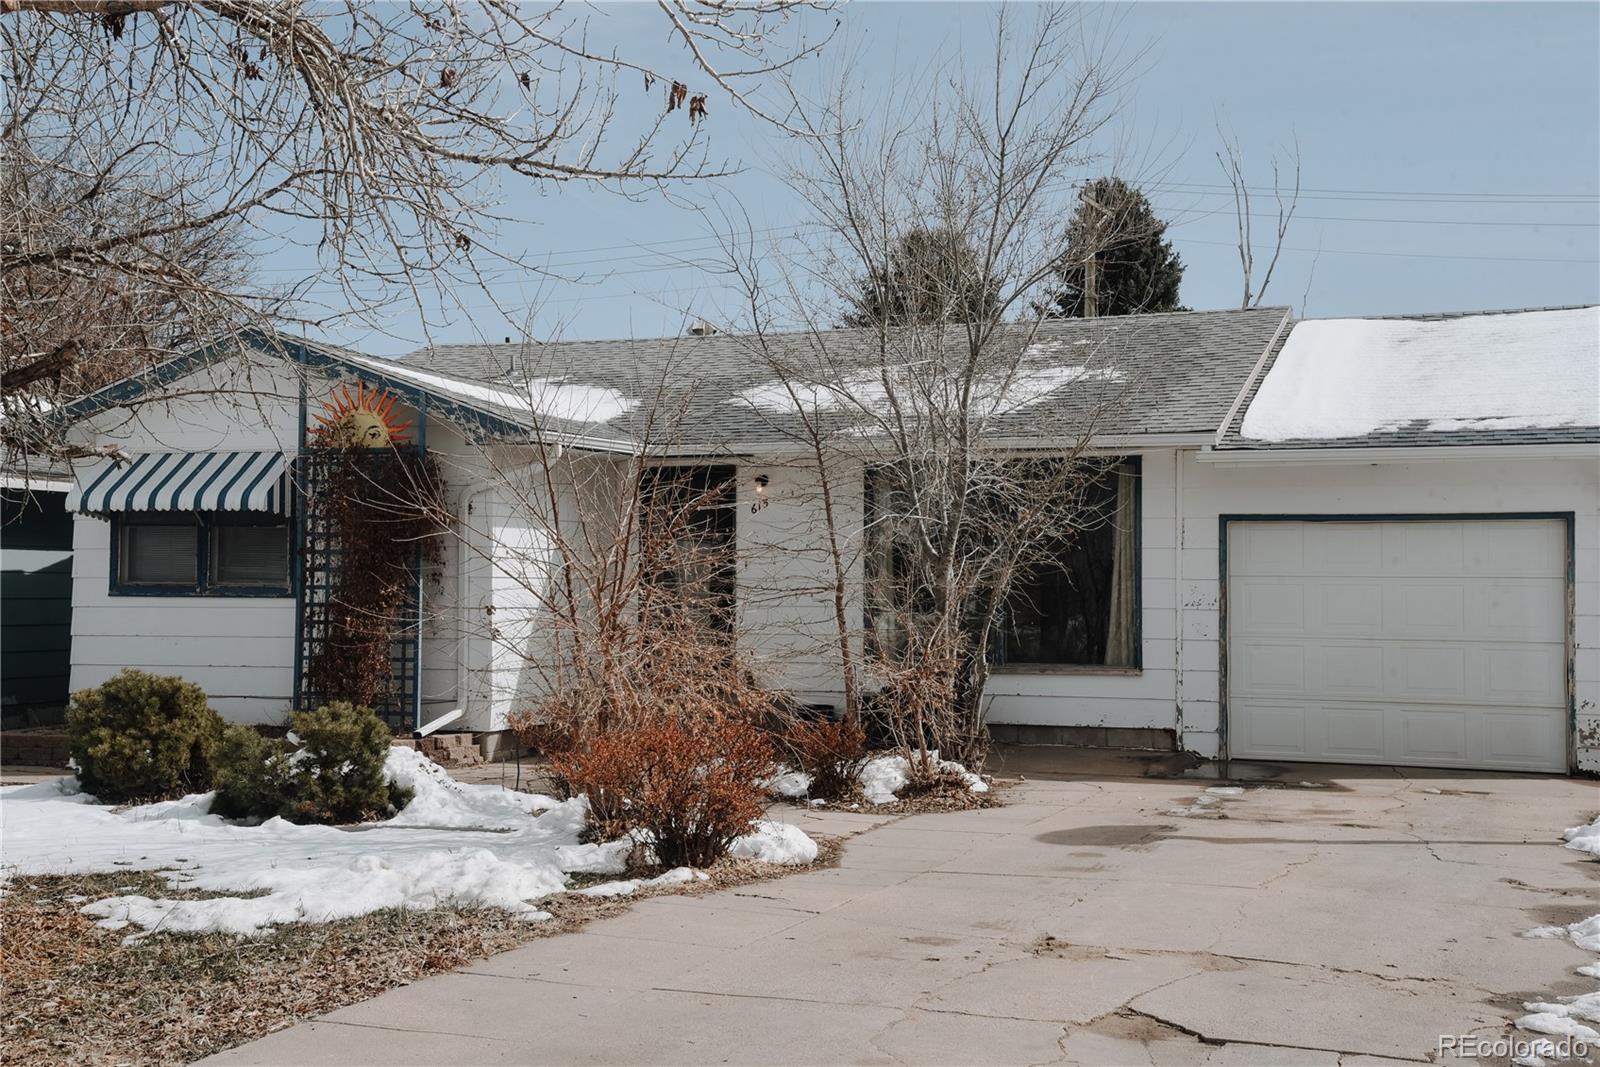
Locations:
{"points": [[184, 481]]}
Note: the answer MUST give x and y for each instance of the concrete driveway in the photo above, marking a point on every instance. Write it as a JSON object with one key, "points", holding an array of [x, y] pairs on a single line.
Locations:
{"points": [[1331, 916]]}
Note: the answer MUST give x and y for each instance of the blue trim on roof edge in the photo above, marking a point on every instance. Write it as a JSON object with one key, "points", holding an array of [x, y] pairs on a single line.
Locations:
{"points": [[132, 388]]}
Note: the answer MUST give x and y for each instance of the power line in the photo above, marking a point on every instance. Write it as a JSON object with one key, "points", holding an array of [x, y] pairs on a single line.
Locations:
{"points": [[1402, 255], [1443, 195]]}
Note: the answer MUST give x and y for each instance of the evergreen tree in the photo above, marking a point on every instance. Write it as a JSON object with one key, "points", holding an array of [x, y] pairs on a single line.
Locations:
{"points": [[932, 276], [1118, 260]]}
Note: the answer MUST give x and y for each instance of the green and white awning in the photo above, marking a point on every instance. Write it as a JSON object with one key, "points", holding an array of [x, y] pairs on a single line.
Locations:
{"points": [[184, 481]]}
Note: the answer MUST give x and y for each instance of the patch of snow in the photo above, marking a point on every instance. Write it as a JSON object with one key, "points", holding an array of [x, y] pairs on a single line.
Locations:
{"points": [[1535, 1053], [676, 876], [549, 397], [1569, 1017], [882, 777], [776, 842], [791, 785], [454, 844], [1350, 377], [440, 802], [1556, 1025], [1584, 838], [866, 393], [1205, 805]]}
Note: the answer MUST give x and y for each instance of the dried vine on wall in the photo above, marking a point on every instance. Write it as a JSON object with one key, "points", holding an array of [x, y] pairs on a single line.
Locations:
{"points": [[378, 508]]}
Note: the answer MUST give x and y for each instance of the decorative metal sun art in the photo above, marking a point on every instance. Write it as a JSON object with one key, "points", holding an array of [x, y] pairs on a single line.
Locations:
{"points": [[365, 418]]}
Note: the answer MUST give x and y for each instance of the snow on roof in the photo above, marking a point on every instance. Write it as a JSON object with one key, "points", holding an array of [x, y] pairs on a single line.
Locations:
{"points": [[553, 398], [866, 391], [1342, 378]]}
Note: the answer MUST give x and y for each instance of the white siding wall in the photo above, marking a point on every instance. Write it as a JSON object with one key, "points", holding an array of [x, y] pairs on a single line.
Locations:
{"points": [[787, 620], [240, 650]]}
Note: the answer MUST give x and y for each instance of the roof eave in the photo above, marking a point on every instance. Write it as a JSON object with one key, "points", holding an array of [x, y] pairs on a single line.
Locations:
{"points": [[1336, 455]]}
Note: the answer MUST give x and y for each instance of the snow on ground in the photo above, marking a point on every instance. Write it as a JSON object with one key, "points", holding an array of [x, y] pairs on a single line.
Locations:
{"points": [[776, 842], [1585, 838], [881, 779], [455, 843], [792, 785], [1351, 377], [1576, 1018], [676, 876], [1206, 805]]}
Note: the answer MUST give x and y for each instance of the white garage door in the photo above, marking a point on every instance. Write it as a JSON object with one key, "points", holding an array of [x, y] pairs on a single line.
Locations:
{"points": [[1426, 643]]}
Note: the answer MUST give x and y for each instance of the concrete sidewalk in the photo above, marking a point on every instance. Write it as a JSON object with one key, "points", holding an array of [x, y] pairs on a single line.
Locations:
{"points": [[1340, 916]]}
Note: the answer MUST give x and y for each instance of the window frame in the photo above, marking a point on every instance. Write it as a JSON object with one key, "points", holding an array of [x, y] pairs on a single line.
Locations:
{"points": [[1001, 665], [204, 524], [715, 523]]}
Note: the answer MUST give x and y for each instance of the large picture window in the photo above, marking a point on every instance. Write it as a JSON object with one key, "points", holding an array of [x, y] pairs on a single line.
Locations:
{"points": [[1078, 608], [1081, 607], [200, 554]]}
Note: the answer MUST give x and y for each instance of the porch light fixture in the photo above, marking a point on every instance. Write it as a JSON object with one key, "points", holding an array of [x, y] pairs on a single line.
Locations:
{"points": [[761, 500]]}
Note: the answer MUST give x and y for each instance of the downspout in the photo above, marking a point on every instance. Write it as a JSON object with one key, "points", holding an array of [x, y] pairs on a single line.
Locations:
{"points": [[474, 490], [1177, 594]]}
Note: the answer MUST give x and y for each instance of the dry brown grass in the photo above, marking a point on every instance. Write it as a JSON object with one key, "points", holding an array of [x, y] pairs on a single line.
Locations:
{"points": [[74, 993]]}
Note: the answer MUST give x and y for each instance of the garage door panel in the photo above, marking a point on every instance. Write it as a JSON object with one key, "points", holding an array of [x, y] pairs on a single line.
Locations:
{"points": [[1424, 609], [1353, 670], [1529, 609], [1433, 643], [1352, 733], [1431, 672], [1528, 675], [1428, 736], [1346, 607], [1275, 730], [1515, 740], [1273, 606], [1267, 667], [1418, 548], [1524, 549], [1349, 548], [1268, 549]]}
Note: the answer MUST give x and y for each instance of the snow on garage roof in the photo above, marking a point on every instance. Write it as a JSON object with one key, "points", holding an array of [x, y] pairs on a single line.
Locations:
{"points": [[1514, 376]]}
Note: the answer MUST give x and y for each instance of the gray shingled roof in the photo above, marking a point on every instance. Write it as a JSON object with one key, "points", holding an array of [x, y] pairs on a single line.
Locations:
{"points": [[1416, 433], [1176, 373]]}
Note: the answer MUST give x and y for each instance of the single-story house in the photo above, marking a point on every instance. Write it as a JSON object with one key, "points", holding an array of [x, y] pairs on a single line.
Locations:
{"points": [[1360, 540]]}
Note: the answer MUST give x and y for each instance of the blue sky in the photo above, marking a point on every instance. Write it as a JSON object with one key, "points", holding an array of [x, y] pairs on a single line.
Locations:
{"points": [[1452, 151]]}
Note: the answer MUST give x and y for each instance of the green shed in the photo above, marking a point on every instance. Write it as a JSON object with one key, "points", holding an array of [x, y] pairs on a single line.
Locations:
{"points": [[35, 606]]}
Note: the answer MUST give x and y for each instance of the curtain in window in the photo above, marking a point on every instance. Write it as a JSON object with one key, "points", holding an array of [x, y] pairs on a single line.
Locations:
{"points": [[1120, 631]]}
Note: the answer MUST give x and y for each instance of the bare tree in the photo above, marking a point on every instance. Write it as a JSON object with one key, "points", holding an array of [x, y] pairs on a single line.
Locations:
{"points": [[1286, 200], [380, 137], [972, 439], [71, 329]]}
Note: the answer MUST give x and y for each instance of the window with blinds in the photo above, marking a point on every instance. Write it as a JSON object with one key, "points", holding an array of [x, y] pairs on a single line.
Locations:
{"points": [[252, 555], [159, 553], [200, 554]]}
